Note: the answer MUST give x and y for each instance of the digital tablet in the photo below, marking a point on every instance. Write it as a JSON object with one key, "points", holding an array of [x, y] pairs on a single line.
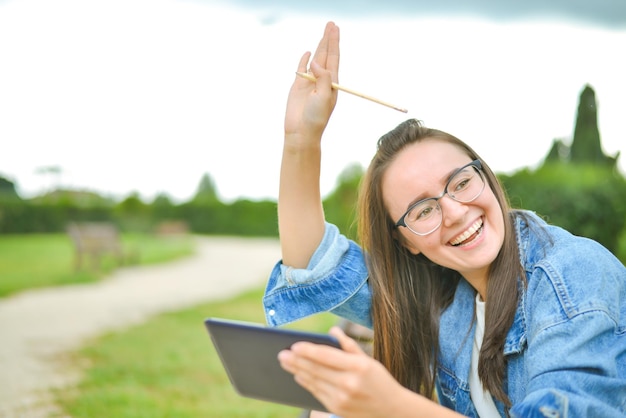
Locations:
{"points": [[249, 353]]}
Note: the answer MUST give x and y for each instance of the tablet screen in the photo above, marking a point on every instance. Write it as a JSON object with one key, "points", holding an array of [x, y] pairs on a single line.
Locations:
{"points": [[249, 354]]}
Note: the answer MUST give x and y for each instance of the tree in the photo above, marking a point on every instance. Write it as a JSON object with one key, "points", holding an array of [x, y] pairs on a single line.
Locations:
{"points": [[206, 192], [132, 214], [558, 153], [162, 200], [577, 187], [586, 145], [7, 190], [163, 208]]}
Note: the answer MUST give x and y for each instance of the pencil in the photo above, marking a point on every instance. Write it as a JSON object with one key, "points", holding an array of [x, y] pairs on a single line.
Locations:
{"points": [[354, 92]]}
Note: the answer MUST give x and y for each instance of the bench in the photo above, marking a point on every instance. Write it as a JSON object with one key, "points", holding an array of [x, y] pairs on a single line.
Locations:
{"points": [[94, 240]]}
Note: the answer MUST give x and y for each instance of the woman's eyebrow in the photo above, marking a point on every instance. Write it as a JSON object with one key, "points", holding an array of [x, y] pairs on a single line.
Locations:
{"points": [[444, 180], [446, 177]]}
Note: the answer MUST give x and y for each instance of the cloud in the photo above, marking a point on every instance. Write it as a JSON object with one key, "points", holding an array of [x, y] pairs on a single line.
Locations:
{"points": [[605, 13]]}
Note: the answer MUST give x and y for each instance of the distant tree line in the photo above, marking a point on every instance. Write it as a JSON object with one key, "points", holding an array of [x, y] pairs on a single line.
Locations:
{"points": [[205, 213], [577, 187]]}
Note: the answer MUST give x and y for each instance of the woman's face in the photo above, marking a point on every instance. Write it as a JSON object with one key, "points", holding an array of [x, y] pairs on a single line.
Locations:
{"points": [[471, 234]]}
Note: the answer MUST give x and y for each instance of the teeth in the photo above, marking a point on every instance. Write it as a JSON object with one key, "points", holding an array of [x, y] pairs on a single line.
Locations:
{"points": [[465, 235]]}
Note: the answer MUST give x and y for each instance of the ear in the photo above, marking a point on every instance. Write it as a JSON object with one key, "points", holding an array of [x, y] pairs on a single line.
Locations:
{"points": [[404, 242]]}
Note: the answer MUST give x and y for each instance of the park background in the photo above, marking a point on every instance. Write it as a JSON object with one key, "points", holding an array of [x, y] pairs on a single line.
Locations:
{"points": [[130, 140], [576, 186]]}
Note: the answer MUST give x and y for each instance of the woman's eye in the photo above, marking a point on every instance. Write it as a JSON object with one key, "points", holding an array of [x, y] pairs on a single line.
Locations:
{"points": [[462, 184], [424, 212]]}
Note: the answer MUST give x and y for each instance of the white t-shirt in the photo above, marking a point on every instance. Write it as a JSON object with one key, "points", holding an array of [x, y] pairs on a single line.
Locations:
{"points": [[480, 397]]}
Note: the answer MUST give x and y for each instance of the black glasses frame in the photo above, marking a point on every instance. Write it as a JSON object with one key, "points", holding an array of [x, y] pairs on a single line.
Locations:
{"points": [[476, 163]]}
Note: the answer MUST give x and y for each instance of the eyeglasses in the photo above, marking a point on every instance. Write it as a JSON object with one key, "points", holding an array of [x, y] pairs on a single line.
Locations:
{"points": [[425, 216]]}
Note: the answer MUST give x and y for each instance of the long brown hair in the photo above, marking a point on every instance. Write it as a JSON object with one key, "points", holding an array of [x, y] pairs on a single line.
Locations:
{"points": [[410, 292]]}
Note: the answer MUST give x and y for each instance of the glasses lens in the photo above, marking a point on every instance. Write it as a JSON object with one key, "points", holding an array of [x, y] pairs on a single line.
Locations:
{"points": [[466, 185], [425, 217]]}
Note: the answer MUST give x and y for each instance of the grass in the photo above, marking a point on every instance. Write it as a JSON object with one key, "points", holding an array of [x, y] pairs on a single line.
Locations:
{"points": [[40, 260], [168, 367]]}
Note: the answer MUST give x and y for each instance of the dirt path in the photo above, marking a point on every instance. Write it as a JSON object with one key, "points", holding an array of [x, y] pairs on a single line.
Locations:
{"points": [[38, 327]]}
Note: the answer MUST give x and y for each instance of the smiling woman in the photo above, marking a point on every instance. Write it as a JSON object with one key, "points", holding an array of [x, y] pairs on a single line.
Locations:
{"points": [[468, 298]]}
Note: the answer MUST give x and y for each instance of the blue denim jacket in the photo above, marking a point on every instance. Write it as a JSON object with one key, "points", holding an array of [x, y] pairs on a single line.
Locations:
{"points": [[566, 349]]}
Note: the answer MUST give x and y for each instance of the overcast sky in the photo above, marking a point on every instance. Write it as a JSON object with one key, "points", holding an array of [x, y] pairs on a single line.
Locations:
{"points": [[148, 95], [605, 13]]}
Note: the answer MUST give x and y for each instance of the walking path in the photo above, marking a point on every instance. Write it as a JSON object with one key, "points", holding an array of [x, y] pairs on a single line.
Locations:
{"points": [[38, 327]]}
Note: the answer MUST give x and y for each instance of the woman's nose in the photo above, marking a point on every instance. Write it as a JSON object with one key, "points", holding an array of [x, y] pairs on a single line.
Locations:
{"points": [[452, 211]]}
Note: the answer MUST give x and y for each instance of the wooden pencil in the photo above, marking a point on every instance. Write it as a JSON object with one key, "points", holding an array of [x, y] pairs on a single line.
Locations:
{"points": [[354, 92]]}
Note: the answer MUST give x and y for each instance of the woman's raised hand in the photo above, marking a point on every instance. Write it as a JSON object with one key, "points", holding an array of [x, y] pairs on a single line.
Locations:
{"points": [[310, 104]]}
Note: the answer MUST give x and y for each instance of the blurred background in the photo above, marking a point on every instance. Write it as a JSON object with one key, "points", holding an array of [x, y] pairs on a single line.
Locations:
{"points": [[144, 112], [129, 126]]}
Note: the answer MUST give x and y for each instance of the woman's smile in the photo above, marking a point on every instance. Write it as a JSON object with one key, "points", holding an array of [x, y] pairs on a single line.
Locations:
{"points": [[471, 234]]}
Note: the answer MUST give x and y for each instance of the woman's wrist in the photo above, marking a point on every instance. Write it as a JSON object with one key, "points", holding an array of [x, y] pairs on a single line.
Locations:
{"points": [[412, 405], [296, 143]]}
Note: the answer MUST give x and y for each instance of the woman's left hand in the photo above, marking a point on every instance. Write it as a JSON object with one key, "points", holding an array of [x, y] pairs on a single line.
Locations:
{"points": [[348, 382]]}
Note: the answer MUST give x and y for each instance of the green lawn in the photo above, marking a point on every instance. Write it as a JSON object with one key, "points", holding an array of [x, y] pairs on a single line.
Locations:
{"points": [[38, 260], [168, 367]]}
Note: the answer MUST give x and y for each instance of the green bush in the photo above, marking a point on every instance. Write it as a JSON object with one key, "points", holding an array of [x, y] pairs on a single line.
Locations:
{"points": [[340, 206], [242, 217], [26, 217], [587, 200]]}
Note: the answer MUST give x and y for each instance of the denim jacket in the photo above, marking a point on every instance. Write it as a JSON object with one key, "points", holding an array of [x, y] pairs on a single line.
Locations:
{"points": [[566, 349]]}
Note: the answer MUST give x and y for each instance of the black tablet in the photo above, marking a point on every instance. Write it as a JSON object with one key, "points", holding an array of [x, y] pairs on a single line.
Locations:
{"points": [[249, 353]]}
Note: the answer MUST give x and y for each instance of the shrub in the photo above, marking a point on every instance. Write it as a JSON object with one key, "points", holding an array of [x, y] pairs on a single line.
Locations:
{"points": [[587, 200]]}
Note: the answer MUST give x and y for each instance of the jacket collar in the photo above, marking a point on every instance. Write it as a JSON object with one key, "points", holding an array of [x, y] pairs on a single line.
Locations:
{"points": [[516, 337]]}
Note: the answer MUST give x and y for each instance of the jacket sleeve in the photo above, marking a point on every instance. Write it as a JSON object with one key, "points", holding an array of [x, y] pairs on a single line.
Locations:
{"points": [[335, 280], [576, 354]]}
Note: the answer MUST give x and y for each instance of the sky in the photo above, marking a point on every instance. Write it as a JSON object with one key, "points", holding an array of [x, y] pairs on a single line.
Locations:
{"points": [[146, 96]]}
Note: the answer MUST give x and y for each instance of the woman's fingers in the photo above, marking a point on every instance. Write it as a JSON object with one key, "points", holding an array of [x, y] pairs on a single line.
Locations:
{"points": [[325, 62], [316, 377], [302, 65], [321, 53], [332, 57], [347, 343], [310, 104], [320, 360]]}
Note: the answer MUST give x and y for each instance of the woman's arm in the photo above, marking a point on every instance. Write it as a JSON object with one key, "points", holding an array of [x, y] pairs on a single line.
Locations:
{"points": [[309, 106]]}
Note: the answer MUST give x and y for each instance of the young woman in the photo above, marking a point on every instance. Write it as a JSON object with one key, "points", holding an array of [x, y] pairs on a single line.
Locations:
{"points": [[477, 309]]}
